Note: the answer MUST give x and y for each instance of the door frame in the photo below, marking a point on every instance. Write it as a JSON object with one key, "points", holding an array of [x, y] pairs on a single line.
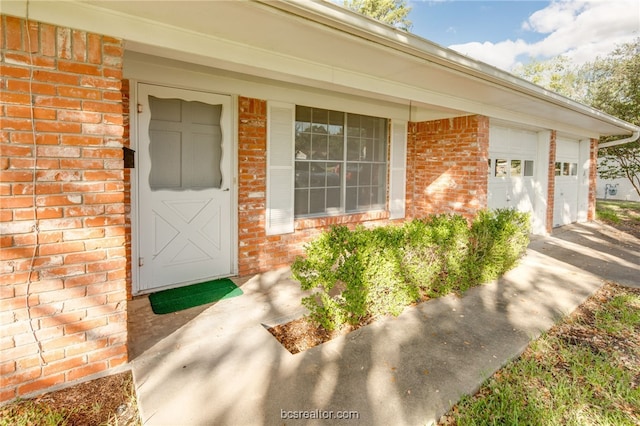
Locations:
{"points": [[134, 127]]}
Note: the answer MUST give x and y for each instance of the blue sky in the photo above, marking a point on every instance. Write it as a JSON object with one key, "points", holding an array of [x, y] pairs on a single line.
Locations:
{"points": [[507, 33], [457, 22]]}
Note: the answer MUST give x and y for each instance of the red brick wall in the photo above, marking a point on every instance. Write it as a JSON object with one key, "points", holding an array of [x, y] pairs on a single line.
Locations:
{"points": [[63, 254], [431, 145], [259, 252], [551, 175], [447, 166], [593, 171]]}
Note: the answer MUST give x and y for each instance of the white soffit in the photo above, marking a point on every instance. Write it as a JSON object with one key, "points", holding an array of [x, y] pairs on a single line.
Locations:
{"points": [[321, 45]]}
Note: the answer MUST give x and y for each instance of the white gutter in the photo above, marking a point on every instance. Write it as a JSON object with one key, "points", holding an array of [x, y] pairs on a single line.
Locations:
{"points": [[630, 139], [343, 19]]}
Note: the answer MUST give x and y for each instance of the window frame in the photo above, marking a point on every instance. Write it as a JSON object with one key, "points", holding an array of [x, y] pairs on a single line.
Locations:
{"points": [[380, 159]]}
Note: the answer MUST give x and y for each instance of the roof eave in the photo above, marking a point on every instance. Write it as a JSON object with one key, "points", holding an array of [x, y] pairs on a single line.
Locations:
{"points": [[345, 20]]}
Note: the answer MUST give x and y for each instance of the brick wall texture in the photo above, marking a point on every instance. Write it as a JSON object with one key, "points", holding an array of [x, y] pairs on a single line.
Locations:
{"points": [[447, 166], [63, 255]]}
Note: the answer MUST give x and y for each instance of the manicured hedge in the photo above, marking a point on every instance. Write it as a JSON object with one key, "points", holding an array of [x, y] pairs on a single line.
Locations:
{"points": [[360, 274]]}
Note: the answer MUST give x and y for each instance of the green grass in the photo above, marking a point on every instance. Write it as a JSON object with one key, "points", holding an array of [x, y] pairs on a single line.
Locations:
{"points": [[27, 412], [618, 211], [568, 378]]}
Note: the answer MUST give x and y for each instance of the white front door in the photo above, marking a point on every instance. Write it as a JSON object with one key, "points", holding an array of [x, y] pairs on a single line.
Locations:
{"points": [[184, 184]]}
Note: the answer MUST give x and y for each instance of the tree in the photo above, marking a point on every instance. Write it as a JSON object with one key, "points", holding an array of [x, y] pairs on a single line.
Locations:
{"points": [[557, 74], [610, 84], [615, 89], [392, 12]]}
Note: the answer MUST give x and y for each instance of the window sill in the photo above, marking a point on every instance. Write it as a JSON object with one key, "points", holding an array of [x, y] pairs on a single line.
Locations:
{"points": [[343, 219]]}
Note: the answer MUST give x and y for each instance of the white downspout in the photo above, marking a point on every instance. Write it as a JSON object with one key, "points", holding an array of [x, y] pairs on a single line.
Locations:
{"points": [[634, 137]]}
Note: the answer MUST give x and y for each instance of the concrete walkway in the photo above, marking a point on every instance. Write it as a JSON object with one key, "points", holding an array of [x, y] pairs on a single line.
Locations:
{"points": [[219, 365]]}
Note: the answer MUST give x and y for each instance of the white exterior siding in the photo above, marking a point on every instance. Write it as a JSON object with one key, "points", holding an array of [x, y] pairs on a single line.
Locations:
{"points": [[516, 172]]}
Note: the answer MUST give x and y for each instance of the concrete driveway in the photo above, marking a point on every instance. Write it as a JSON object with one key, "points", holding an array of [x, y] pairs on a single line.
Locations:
{"points": [[218, 365]]}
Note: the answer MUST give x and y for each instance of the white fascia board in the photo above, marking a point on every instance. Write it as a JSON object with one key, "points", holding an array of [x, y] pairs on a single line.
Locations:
{"points": [[357, 24], [159, 39]]}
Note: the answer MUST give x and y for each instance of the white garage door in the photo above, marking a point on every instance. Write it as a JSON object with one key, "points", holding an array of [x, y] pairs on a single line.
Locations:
{"points": [[512, 164], [565, 201]]}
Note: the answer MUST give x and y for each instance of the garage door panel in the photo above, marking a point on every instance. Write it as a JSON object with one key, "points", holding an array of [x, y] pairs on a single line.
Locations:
{"points": [[509, 185], [565, 202]]}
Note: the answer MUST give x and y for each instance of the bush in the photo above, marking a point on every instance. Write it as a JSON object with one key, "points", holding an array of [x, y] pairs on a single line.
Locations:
{"points": [[361, 274], [498, 238]]}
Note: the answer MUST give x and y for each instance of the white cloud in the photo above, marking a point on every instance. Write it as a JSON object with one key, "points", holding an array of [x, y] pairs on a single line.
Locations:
{"points": [[581, 30]]}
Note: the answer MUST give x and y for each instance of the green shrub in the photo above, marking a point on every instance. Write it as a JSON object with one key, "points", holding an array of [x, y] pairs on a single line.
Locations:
{"points": [[361, 274], [498, 238], [356, 276], [435, 250]]}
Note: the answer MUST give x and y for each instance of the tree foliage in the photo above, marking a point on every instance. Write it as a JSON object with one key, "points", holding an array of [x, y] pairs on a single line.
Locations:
{"points": [[392, 12], [610, 84], [557, 74]]}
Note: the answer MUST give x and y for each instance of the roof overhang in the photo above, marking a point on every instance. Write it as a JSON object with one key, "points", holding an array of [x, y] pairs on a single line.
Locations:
{"points": [[321, 45]]}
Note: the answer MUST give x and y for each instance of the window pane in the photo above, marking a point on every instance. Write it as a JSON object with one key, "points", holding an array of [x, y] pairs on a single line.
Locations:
{"points": [[317, 176], [501, 167], [333, 199], [565, 169], [489, 164], [528, 167], [336, 148], [353, 149], [573, 168], [516, 167], [380, 153], [364, 177], [353, 125], [319, 147], [320, 118], [302, 174], [336, 123], [303, 117], [364, 198], [558, 169], [316, 201], [334, 174], [351, 198], [185, 144], [301, 201]]}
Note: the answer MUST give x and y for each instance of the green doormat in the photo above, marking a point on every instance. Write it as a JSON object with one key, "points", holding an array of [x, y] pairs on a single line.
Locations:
{"points": [[177, 299]]}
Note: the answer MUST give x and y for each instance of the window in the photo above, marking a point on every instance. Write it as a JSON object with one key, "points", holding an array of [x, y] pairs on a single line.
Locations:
{"points": [[501, 167], [558, 169], [185, 145], [516, 167], [528, 167], [573, 169], [340, 162]]}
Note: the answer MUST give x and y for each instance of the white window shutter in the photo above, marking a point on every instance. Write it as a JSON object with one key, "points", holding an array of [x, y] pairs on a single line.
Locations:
{"points": [[398, 175], [280, 168]]}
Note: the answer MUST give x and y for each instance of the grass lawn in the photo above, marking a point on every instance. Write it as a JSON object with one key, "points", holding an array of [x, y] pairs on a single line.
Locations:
{"points": [[617, 212], [584, 371]]}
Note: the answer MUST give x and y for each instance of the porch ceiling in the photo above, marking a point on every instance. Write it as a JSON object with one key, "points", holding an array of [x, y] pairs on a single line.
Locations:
{"points": [[322, 45]]}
